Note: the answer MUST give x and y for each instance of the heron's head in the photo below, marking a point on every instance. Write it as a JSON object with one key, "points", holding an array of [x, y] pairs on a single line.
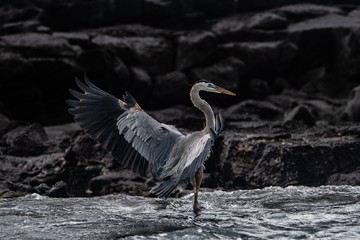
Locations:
{"points": [[204, 85]]}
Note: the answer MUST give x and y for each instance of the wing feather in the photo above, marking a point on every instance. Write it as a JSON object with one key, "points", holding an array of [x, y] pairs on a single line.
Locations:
{"points": [[134, 138]]}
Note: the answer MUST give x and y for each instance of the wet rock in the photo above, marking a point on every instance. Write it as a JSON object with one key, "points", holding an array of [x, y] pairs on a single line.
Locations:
{"points": [[298, 12], [140, 85], [354, 13], [26, 141], [241, 28], [46, 168], [267, 21], [352, 178], [194, 48], [352, 109], [300, 113], [21, 27], [38, 44], [273, 57], [9, 13], [171, 87], [264, 110], [259, 88], [42, 189], [120, 181], [230, 26], [152, 53], [226, 73], [59, 190], [122, 47], [5, 124], [84, 158], [309, 157], [75, 38], [324, 41], [134, 30]]}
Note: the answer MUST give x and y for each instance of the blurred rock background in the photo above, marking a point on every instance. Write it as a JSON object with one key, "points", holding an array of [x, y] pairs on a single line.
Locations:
{"points": [[292, 63]]}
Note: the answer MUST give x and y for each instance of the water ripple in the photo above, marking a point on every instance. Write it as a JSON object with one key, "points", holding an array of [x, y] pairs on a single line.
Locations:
{"points": [[329, 212]]}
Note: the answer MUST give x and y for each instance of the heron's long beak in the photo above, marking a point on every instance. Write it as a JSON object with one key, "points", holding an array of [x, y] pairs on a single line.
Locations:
{"points": [[224, 91]]}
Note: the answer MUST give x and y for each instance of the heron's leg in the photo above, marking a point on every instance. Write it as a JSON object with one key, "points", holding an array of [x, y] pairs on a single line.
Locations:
{"points": [[197, 183]]}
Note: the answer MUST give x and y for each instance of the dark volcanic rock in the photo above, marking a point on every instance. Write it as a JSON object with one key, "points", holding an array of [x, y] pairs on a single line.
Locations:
{"points": [[140, 84], [300, 113], [9, 13], [60, 190], [5, 124], [264, 110], [226, 73], [134, 30], [171, 87], [84, 158], [298, 12], [154, 54], [303, 158], [120, 181], [271, 57], [267, 21], [194, 48], [250, 27], [26, 141], [352, 109], [38, 44], [21, 27]]}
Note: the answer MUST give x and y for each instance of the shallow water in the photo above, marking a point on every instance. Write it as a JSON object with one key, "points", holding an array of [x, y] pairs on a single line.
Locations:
{"points": [[329, 212]]}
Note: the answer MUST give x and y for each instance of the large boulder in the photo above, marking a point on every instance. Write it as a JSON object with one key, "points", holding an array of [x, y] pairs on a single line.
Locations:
{"points": [[263, 57], [28, 140], [299, 12], [171, 89], [38, 45], [154, 54], [309, 157], [10, 14], [194, 49]]}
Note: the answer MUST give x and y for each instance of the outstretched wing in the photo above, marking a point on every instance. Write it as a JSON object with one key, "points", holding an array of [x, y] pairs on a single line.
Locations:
{"points": [[134, 138]]}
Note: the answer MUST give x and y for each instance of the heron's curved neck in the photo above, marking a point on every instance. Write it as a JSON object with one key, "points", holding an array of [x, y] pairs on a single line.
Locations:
{"points": [[204, 107]]}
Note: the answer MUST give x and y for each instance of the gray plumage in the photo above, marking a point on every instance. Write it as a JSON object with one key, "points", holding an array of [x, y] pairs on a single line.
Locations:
{"points": [[142, 144]]}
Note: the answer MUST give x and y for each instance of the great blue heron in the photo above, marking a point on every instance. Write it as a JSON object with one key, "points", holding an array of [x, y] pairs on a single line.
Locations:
{"points": [[144, 145]]}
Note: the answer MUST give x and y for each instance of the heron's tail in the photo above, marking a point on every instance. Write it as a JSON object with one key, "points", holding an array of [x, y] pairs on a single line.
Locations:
{"points": [[164, 188]]}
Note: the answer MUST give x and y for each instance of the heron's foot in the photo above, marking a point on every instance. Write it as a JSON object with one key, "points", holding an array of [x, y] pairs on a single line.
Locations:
{"points": [[197, 208]]}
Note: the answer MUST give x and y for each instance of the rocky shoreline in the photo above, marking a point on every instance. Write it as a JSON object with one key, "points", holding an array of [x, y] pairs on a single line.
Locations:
{"points": [[293, 66]]}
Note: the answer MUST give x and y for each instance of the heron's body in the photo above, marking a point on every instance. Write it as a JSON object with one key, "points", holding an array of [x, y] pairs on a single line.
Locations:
{"points": [[142, 144]]}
